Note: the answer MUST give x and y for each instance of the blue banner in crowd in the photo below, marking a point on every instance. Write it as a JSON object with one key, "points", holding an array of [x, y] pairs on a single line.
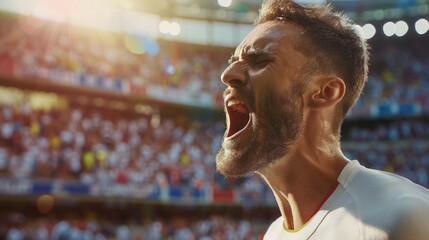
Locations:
{"points": [[76, 188], [102, 83], [42, 187], [178, 194], [15, 187], [29, 187], [74, 78], [149, 192], [396, 110], [124, 190]]}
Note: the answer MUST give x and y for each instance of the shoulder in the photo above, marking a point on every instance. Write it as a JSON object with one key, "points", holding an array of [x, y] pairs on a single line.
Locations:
{"points": [[393, 186], [411, 222], [382, 186], [390, 202]]}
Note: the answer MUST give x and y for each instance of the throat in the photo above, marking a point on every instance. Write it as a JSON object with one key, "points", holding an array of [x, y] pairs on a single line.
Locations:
{"points": [[297, 214]]}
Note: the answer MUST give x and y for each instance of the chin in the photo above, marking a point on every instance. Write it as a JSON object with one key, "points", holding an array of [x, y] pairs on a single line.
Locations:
{"points": [[237, 163], [252, 158]]}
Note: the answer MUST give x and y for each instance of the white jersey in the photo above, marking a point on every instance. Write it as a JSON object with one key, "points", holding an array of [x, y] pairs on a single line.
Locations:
{"points": [[367, 205]]}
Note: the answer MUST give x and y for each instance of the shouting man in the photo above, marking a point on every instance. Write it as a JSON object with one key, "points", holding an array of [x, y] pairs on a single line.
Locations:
{"points": [[290, 84]]}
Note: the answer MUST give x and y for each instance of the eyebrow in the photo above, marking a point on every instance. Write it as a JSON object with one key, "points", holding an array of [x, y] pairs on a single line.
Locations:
{"points": [[256, 54], [252, 54]]}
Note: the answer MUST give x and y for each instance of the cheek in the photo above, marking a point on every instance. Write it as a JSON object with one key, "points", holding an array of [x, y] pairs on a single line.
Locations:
{"points": [[267, 101], [274, 85], [261, 80], [278, 77], [257, 73]]}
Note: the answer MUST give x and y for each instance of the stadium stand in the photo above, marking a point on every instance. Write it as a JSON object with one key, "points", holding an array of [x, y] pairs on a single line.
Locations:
{"points": [[88, 148]]}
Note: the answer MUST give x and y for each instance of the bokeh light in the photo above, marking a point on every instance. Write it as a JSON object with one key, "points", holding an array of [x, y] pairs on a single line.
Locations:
{"points": [[389, 29], [401, 28], [134, 45], [368, 31], [141, 45], [45, 203], [174, 29], [164, 27], [358, 29], [224, 3], [422, 26]]}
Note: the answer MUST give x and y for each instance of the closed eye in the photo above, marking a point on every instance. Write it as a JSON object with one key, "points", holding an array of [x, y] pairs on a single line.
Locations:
{"points": [[258, 59], [254, 59], [260, 63]]}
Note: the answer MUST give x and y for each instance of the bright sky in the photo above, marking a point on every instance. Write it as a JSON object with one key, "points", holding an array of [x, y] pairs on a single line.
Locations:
{"points": [[112, 15]]}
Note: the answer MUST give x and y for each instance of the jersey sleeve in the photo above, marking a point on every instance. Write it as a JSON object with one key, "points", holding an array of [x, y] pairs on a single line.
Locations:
{"points": [[413, 222]]}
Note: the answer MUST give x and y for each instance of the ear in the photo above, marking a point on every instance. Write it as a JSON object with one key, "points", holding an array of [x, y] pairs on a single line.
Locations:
{"points": [[331, 92]]}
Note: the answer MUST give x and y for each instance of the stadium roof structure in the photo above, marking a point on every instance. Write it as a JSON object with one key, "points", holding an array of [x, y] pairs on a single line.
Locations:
{"points": [[245, 11], [208, 22]]}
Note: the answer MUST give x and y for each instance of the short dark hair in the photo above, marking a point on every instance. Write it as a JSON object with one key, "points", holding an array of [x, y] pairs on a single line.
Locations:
{"points": [[331, 43]]}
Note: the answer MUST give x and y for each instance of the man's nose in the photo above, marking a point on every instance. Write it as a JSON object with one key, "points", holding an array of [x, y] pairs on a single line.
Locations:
{"points": [[234, 75]]}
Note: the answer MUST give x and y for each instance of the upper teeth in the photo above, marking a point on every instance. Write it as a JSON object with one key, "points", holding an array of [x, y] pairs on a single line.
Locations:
{"points": [[234, 102], [238, 106]]}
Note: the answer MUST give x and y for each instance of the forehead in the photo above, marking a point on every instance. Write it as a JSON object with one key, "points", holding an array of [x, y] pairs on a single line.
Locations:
{"points": [[271, 37]]}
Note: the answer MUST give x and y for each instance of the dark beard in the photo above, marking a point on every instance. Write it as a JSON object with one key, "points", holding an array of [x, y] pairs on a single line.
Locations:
{"points": [[276, 129]]}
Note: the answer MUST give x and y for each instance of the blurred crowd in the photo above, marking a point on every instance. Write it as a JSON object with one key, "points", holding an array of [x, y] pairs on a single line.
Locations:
{"points": [[33, 43], [93, 145], [399, 74], [399, 71], [216, 227], [90, 145]]}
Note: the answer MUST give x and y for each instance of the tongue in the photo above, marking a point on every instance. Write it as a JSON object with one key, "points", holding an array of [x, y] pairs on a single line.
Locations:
{"points": [[238, 121]]}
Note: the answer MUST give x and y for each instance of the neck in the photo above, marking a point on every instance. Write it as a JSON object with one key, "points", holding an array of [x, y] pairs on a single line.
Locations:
{"points": [[301, 182]]}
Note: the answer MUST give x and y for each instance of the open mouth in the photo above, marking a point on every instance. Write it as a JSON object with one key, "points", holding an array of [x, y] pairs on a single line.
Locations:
{"points": [[238, 116]]}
